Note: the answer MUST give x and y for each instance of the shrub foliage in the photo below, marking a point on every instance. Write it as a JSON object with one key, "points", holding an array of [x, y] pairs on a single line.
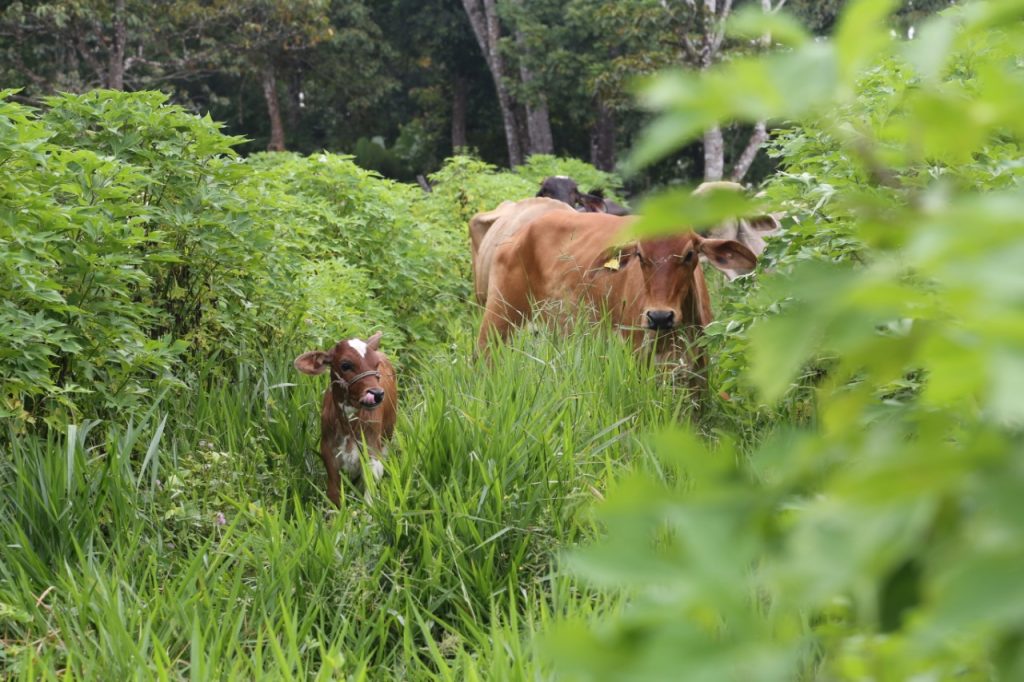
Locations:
{"points": [[877, 537]]}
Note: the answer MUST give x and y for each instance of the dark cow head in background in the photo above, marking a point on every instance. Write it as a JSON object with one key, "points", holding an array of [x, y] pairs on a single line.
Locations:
{"points": [[563, 188]]}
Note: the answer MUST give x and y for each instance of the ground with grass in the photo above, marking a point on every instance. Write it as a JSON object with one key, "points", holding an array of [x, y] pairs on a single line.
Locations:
{"points": [[215, 554]]}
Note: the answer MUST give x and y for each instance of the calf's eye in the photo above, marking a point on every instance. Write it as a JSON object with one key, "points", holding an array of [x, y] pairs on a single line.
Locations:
{"points": [[346, 366]]}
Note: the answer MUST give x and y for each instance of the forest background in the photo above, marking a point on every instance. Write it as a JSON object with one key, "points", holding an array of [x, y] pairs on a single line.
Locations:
{"points": [[404, 84]]}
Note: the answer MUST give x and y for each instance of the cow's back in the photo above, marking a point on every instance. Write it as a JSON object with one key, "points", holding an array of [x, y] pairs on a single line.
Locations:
{"points": [[550, 258], [490, 229]]}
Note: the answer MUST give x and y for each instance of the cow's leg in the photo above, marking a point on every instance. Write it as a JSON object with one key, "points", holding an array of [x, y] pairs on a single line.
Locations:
{"points": [[333, 473], [507, 305], [500, 318]]}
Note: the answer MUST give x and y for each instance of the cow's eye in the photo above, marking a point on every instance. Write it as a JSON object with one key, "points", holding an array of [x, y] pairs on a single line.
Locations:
{"points": [[346, 366]]}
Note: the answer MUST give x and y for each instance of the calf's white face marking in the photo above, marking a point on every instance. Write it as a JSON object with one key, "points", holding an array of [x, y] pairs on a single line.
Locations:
{"points": [[358, 346]]}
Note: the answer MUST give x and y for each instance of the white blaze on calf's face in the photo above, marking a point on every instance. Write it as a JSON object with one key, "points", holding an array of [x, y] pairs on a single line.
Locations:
{"points": [[358, 346]]}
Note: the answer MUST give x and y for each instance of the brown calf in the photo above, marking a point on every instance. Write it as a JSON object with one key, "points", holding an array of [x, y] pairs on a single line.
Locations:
{"points": [[360, 406]]}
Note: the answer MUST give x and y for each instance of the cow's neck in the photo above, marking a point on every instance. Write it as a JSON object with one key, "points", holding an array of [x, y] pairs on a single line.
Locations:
{"points": [[349, 423]]}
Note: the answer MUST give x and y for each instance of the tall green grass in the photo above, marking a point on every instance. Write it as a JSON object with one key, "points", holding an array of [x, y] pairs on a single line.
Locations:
{"points": [[198, 543]]}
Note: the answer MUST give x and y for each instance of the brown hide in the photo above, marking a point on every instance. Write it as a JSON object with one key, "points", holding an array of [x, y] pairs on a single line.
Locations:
{"points": [[650, 289], [489, 229]]}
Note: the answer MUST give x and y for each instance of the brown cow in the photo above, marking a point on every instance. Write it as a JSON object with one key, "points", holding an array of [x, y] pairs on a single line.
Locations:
{"points": [[489, 229], [650, 289], [359, 407]]}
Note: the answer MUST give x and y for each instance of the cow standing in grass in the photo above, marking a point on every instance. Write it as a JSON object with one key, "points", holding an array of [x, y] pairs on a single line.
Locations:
{"points": [[653, 290], [359, 407]]}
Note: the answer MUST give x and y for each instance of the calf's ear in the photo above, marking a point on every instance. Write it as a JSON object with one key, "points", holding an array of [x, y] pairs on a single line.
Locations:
{"points": [[373, 343], [731, 257], [312, 362]]}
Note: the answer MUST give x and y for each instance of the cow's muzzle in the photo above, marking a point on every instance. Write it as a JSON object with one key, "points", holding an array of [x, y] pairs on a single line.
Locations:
{"points": [[372, 398], [660, 319]]}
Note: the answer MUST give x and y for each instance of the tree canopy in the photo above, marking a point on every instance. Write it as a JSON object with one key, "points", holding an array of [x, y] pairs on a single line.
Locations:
{"points": [[402, 84]]}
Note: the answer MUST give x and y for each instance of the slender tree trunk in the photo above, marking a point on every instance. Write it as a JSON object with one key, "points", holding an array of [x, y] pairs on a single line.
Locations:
{"points": [[483, 17], [538, 120], [742, 165], [459, 108], [760, 133], [602, 139], [115, 67], [714, 154], [276, 143], [295, 100]]}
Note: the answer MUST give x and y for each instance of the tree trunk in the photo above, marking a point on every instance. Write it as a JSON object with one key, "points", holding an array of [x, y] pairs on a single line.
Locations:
{"points": [[459, 108], [538, 124], [538, 121], [742, 165], [115, 67], [602, 139], [296, 100], [714, 154], [276, 143], [483, 17], [760, 134]]}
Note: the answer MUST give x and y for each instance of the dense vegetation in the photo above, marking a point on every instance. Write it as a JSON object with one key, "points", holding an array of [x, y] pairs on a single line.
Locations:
{"points": [[842, 504], [401, 84]]}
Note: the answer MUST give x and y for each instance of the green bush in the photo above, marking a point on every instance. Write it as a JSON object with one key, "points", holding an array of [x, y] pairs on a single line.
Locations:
{"points": [[130, 234], [408, 274], [878, 537]]}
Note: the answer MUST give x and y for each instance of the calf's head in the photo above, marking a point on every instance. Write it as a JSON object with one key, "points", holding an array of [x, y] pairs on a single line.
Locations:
{"points": [[667, 268], [355, 371]]}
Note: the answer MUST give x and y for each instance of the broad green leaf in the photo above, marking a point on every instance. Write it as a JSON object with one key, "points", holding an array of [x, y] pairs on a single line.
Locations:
{"points": [[862, 36], [679, 211], [753, 23]]}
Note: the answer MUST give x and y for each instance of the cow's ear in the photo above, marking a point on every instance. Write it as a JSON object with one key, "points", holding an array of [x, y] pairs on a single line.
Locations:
{"points": [[615, 258], [593, 203], [313, 362], [731, 257], [373, 343], [765, 224]]}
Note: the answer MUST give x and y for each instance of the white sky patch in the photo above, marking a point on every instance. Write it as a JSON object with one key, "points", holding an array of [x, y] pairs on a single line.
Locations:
{"points": [[358, 346]]}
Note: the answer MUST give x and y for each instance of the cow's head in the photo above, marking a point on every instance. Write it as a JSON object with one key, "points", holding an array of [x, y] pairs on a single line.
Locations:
{"points": [[667, 268], [355, 371], [563, 188], [748, 231]]}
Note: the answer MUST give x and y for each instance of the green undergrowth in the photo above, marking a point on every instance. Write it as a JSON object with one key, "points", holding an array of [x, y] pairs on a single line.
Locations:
{"points": [[196, 541]]}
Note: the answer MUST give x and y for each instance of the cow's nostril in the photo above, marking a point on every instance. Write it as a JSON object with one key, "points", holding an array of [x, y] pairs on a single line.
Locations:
{"points": [[660, 319], [378, 394]]}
